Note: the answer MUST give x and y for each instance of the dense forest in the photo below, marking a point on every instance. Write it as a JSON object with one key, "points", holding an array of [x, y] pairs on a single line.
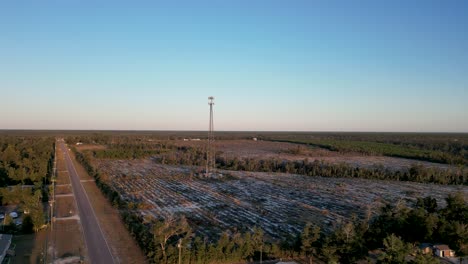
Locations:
{"points": [[25, 169], [25, 160], [396, 230], [443, 148]]}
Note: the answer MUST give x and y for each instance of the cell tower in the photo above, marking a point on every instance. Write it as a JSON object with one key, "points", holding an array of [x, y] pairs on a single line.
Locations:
{"points": [[210, 149]]}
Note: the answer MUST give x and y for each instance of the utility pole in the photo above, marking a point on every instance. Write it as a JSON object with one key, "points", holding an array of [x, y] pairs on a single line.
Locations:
{"points": [[261, 253], [179, 245], [51, 203], [53, 179], [4, 222]]}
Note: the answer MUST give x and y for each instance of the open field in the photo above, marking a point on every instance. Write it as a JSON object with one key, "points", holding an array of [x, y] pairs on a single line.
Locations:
{"points": [[291, 151], [278, 203]]}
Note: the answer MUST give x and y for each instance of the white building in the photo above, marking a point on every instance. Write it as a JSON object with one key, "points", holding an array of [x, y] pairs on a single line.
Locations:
{"points": [[443, 251]]}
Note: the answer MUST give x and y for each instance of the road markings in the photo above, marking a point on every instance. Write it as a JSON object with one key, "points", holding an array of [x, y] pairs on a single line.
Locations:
{"points": [[73, 217], [65, 195]]}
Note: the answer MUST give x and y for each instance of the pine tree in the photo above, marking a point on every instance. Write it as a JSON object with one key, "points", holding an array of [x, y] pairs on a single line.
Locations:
{"points": [[309, 235]]}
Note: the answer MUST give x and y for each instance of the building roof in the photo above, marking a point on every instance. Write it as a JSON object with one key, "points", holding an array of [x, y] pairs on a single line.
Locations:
{"points": [[425, 245], [441, 247]]}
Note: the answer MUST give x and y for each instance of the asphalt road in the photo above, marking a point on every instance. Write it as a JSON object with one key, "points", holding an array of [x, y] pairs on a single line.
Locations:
{"points": [[98, 249]]}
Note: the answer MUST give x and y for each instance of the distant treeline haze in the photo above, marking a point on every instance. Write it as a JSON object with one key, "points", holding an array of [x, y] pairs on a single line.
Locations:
{"points": [[436, 147]]}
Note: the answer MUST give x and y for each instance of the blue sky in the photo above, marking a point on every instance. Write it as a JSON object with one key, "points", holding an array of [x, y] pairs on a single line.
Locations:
{"points": [[272, 65]]}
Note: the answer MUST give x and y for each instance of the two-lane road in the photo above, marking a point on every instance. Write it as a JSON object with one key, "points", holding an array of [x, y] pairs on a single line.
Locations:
{"points": [[98, 249]]}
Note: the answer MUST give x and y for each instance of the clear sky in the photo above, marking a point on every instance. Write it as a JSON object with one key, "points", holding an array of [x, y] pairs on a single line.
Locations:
{"points": [[271, 64]]}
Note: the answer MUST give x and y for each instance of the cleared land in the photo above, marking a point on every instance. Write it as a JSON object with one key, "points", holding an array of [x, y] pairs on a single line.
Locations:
{"points": [[89, 147], [279, 203], [291, 151]]}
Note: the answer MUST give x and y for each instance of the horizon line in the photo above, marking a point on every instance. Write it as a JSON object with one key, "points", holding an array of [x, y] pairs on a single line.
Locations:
{"points": [[233, 131]]}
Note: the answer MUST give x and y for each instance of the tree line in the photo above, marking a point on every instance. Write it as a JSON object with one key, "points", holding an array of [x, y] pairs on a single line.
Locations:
{"points": [[415, 173], [436, 147], [131, 151], [403, 150]]}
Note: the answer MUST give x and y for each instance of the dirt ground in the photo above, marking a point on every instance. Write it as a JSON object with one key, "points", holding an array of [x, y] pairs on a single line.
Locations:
{"points": [[65, 206], [63, 189], [123, 246], [67, 240], [62, 173]]}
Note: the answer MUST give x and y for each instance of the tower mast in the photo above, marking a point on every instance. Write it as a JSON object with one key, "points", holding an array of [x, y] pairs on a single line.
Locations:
{"points": [[210, 151]]}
